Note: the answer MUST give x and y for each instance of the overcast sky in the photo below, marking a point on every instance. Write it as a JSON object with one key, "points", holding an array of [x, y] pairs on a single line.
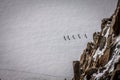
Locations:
{"points": [[31, 33]]}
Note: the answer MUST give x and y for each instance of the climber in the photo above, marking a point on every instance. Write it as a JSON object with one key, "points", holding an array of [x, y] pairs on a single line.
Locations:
{"points": [[73, 36], [64, 38], [79, 36], [68, 37], [85, 36]]}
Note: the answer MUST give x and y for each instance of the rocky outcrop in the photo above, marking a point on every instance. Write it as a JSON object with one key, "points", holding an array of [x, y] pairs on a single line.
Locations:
{"points": [[101, 58], [76, 70]]}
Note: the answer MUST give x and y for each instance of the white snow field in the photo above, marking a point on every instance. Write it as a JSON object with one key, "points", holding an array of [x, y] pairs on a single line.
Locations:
{"points": [[32, 45]]}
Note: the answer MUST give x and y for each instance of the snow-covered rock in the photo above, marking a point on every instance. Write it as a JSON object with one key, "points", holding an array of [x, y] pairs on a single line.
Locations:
{"points": [[101, 58]]}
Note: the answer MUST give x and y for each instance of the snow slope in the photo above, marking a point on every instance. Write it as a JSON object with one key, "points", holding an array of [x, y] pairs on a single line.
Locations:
{"points": [[31, 34]]}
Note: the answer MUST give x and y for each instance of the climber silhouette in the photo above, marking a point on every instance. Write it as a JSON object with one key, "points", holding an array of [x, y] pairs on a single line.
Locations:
{"points": [[85, 36], [68, 37], [79, 36], [64, 38], [73, 36]]}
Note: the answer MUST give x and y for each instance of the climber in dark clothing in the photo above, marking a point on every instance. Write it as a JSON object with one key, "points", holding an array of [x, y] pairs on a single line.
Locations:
{"points": [[73, 36], [79, 36], [85, 36], [64, 38], [68, 37]]}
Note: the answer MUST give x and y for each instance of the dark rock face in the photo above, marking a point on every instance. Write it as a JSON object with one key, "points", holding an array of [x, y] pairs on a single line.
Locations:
{"points": [[102, 42], [116, 27], [76, 70], [116, 75], [101, 58]]}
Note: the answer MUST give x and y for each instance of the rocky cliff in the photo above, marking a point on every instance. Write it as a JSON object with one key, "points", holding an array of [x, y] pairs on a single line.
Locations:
{"points": [[101, 58]]}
